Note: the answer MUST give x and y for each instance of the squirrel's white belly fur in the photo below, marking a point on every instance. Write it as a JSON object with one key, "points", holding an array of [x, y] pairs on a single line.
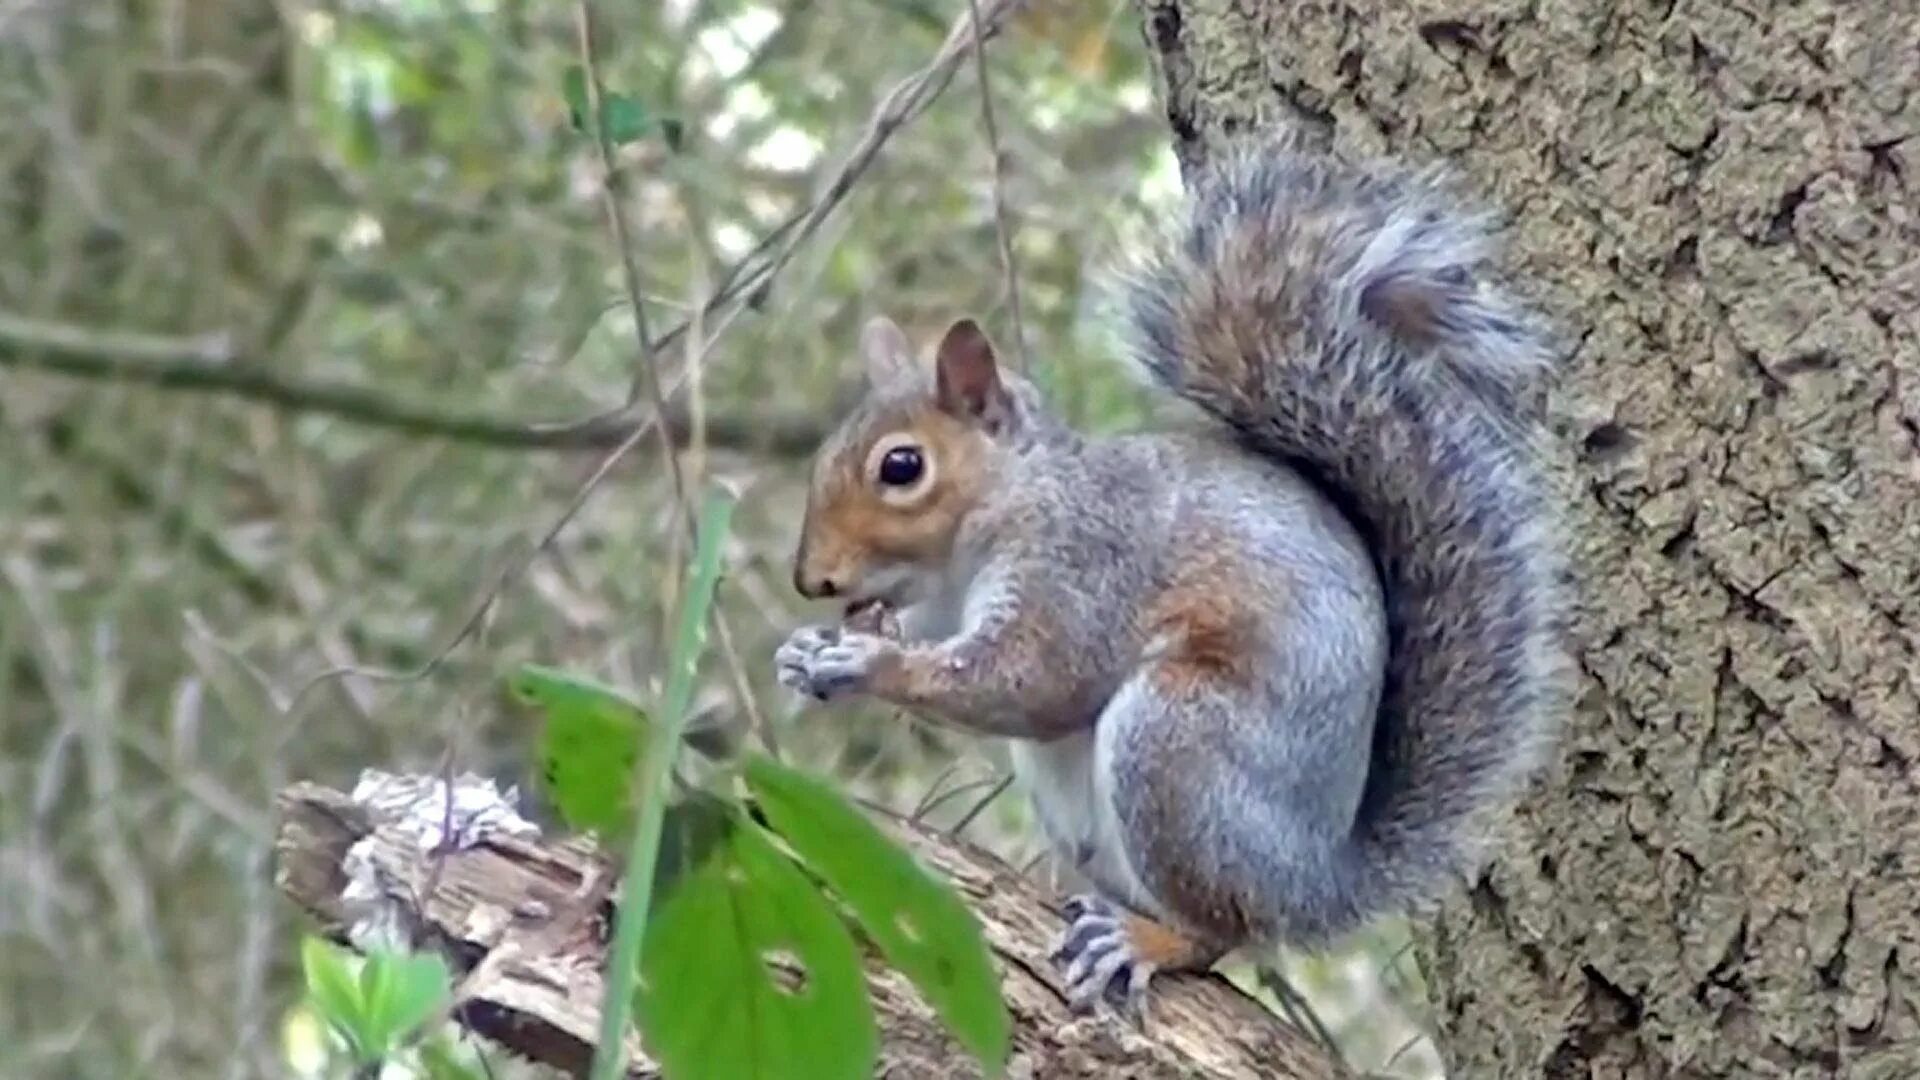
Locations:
{"points": [[1070, 782]]}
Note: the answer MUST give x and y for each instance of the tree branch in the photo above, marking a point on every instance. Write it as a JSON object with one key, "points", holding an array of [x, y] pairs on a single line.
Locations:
{"points": [[527, 967], [1003, 226], [209, 365]]}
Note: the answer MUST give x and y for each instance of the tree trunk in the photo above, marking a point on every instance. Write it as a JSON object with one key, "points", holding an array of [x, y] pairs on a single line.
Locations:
{"points": [[1717, 203]]}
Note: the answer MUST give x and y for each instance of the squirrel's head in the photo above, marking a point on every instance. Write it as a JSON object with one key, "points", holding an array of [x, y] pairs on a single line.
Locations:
{"points": [[892, 485]]}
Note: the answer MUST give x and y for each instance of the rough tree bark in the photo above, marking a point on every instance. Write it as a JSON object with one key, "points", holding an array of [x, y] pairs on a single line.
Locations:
{"points": [[1717, 202]]}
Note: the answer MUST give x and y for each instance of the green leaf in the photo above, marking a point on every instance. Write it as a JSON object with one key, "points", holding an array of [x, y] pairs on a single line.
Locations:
{"points": [[591, 743], [550, 687], [399, 992], [623, 118], [723, 1009], [920, 924], [332, 990], [573, 87], [690, 832]]}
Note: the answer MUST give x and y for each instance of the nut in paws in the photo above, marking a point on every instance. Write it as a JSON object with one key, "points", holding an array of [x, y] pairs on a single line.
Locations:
{"points": [[825, 662]]}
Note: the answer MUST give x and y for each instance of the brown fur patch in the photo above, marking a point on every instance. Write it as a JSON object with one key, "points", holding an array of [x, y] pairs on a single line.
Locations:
{"points": [[1166, 948], [1206, 616]]}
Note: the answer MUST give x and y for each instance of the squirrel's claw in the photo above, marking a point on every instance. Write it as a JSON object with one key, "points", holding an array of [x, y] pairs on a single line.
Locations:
{"points": [[1099, 959]]}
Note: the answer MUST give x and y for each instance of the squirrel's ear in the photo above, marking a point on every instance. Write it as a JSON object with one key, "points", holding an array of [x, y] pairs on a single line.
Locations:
{"points": [[885, 348], [967, 374]]}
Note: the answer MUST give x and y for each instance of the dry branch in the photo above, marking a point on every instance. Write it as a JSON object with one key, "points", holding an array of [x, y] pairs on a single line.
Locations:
{"points": [[528, 963]]}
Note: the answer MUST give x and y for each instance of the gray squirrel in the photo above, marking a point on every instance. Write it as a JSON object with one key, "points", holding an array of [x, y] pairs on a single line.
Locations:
{"points": [[1264, 679]]}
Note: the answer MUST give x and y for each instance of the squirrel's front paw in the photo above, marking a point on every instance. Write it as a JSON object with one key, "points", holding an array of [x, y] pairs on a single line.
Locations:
{"points": [[1101, 960], [825, 662]]}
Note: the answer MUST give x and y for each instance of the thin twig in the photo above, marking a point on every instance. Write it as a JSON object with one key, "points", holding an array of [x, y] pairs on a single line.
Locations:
{"points": [[646, 376], [447, 844], [508, 573], [258, 945], [480, 1055], [1001, 222], [986, 800], [1302, 1013], [511, 572], [93, 723], [646, 373], [933, 793], [742, 687], [1404, 1047], [959, 790], [906, 101], [1392, 964], [221, 802], [723, 625]]}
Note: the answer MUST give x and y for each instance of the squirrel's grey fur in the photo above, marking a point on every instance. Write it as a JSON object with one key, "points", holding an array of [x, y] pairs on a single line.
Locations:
{"points": [[1265, 308], [1264, 680]]}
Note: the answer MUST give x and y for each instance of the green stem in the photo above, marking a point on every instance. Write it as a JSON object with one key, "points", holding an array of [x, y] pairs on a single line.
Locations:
{"points": [[609, 1059]]}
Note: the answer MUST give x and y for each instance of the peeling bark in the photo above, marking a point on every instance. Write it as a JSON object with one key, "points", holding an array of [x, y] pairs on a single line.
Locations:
{"points": [[1716, 202]]}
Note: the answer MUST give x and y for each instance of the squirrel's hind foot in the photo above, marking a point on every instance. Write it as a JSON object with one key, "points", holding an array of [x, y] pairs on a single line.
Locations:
{"points": [[1099, 960], [1109, 954]]}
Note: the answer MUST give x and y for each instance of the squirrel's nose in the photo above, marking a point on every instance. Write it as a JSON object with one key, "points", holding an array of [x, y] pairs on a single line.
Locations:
{"points": [[814, 588]]}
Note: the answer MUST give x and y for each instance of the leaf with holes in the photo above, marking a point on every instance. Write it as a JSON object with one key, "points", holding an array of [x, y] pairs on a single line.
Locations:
{"points": [[919, 922], [592, 739], [748, 974]]}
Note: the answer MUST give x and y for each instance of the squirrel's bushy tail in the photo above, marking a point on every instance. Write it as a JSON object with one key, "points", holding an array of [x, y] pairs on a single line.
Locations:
{"points": [[1338, 319]]}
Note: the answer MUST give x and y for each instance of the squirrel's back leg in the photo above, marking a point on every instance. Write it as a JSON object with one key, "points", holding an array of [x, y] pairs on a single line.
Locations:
{"points": [[1117, 937], [1259, 849], [1234, 836]]}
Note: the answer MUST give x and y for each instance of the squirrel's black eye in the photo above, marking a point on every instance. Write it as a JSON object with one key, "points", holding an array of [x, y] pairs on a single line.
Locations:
{"points": [[902, 466]]}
